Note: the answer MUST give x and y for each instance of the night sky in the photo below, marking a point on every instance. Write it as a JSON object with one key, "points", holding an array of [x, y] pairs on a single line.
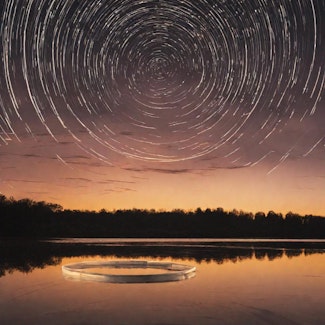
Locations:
{"points": [[164, 103]]}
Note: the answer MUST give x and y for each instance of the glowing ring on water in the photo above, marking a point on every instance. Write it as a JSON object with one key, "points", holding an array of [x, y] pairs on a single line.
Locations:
{"points": [[177, 272]]}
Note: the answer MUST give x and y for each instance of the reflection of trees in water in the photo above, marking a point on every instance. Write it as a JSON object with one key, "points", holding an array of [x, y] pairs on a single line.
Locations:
{"points": [[313, 251], [262, 254], [294, 252], [27, 265], [25, 256]]}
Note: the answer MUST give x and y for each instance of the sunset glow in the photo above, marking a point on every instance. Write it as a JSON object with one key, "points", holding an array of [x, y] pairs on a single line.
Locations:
{"points": [[164, 105]]}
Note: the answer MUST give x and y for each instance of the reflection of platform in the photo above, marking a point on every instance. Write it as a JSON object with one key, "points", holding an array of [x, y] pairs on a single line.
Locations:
{"points": [[176, 272]]}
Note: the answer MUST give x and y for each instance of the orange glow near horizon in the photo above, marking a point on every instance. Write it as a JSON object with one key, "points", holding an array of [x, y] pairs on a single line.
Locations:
{"points": [[250, 189], [164, 105], [87, 183]]}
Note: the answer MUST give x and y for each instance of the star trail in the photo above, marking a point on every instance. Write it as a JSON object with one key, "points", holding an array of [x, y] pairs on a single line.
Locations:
{"points": [[238, 84]]}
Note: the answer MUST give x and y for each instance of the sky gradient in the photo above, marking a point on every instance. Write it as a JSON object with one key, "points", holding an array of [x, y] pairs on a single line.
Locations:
{"points": [[164, 104]]}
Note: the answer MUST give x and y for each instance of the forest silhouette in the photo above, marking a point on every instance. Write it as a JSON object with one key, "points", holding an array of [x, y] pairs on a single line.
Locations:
{"points": [[31, 219]]}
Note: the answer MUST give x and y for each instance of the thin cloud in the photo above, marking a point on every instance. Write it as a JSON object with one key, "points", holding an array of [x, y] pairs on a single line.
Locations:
{"points": [[79, 179], [127, 133], [24, 181], [126, 189], [131, 169], [170, 171], [160, 170], [105, 182], [230, 167], [30, 155], [66, 142], [109, 181], [77, 157]]}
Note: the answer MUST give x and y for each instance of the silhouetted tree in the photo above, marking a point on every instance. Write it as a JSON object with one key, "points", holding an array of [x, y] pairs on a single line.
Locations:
{"points": [[28, 218]]}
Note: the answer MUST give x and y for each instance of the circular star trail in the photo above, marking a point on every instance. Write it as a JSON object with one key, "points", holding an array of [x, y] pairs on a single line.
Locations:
{"points": [[159, 80]]}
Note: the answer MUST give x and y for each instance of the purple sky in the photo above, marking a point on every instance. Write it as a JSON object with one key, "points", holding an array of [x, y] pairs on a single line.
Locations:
{"points": [[164, 104]]}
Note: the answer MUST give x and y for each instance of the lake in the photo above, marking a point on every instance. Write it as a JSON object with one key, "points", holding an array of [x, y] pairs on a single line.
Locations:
{"points": [[236, 282]]}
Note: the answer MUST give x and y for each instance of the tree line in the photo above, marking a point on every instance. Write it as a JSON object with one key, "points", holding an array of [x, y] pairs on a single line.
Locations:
{"points": [[28, 218]]}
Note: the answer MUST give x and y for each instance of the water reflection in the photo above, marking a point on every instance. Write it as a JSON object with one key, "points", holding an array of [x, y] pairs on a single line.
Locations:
{"points": [[128, 271], [235, 283], [25, 256]]}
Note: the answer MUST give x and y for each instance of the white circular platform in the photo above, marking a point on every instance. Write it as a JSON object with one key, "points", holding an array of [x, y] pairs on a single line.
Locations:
{"points": [[176, 272]]}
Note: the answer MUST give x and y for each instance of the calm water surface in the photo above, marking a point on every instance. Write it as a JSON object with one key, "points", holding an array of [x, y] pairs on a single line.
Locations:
{"points": [[241, 282]]}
